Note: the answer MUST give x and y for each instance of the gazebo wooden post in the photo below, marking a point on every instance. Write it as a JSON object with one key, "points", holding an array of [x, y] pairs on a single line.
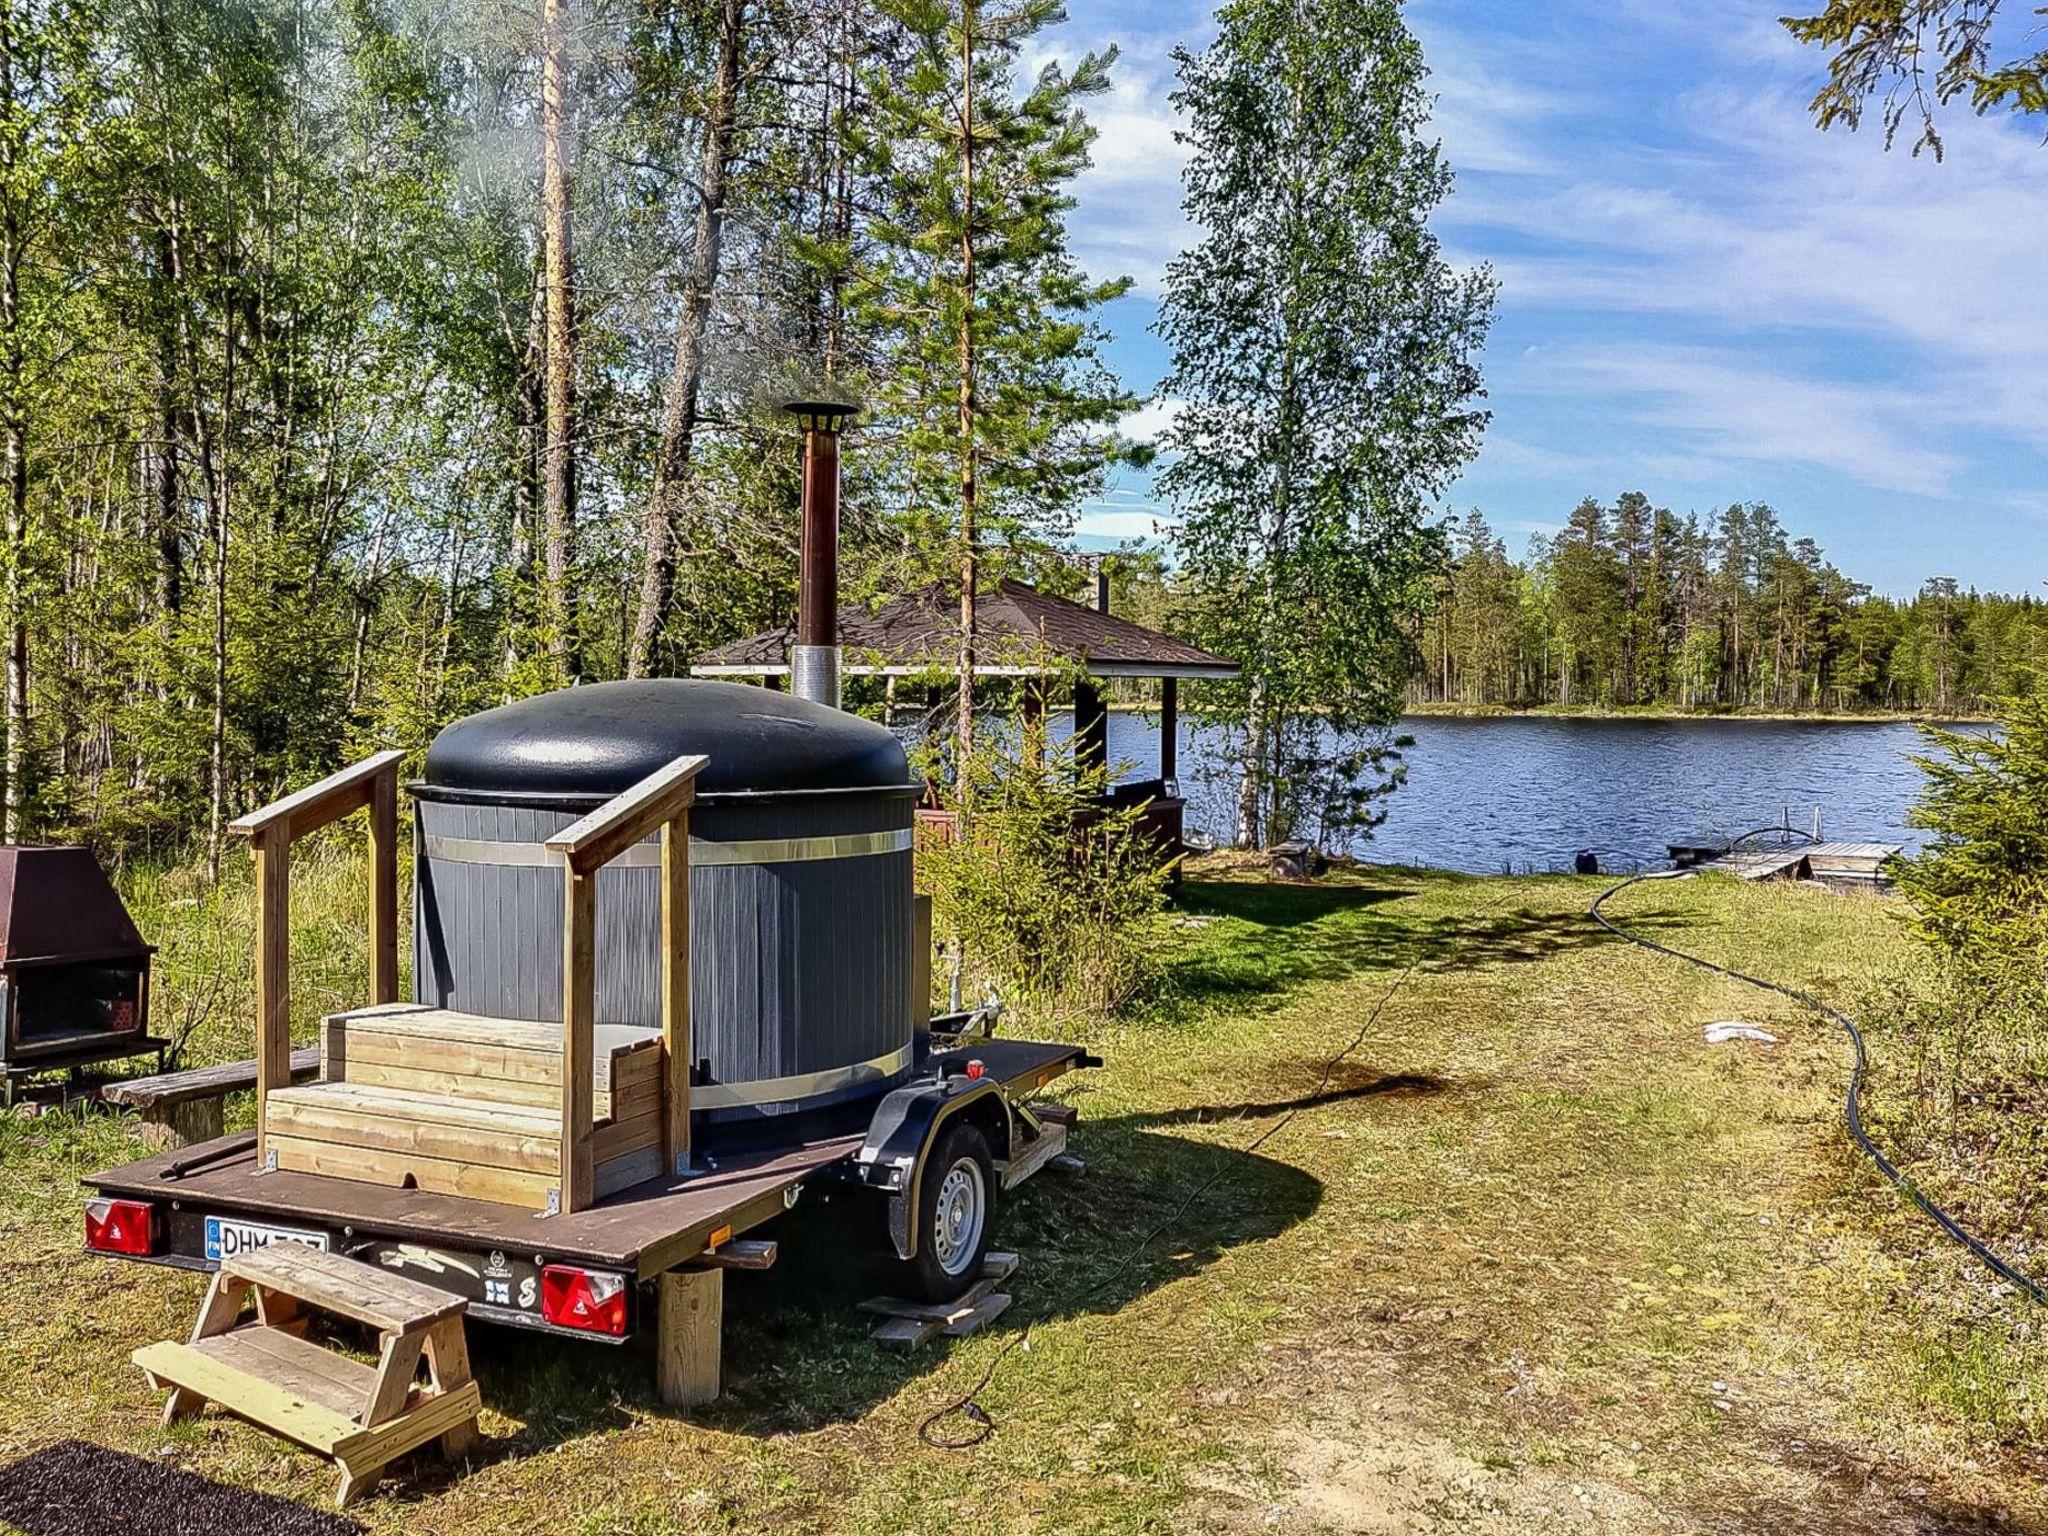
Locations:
{"points": [[1169, 729], [1091, 728]]}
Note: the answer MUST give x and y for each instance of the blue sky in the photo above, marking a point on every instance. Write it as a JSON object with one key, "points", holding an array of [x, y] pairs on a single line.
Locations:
{"points": [[1702, 296]]}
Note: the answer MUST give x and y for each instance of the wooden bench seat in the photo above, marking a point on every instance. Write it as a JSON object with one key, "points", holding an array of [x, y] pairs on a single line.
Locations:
{"points": [[186, 1107], [361, 1416]]}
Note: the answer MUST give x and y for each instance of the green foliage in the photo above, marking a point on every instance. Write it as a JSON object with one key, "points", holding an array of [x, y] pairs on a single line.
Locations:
{"points": [[1916, 54], [1017, 328], [1053, 896], [1325, 356], [1630, 605]]}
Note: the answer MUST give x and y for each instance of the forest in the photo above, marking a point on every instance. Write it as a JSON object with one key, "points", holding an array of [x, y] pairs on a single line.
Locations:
{"points": [[1631, 605], [364, 363]]}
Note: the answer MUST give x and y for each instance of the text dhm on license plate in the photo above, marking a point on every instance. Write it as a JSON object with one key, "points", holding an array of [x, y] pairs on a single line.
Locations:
{"points": [[225, 1239]]}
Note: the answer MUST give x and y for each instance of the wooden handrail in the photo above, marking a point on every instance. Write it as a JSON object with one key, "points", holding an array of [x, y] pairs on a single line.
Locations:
{"points": [[660, 801], [626, 818], [372, 783], [317, 805]]}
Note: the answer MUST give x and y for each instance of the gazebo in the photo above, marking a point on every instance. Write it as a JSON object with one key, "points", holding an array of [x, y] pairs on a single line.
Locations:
{"points": [[1023, 633]]}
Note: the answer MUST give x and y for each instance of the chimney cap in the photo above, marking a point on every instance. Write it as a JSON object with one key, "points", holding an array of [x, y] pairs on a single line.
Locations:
{"points": [[820, 415]]}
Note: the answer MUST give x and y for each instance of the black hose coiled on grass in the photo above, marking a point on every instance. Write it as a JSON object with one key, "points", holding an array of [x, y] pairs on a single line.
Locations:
{"points": [[1853, 1102]]}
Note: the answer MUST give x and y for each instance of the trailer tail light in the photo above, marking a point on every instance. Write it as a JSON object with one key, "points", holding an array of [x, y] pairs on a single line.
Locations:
{"points": [[121, 1226], [587, 1299]]}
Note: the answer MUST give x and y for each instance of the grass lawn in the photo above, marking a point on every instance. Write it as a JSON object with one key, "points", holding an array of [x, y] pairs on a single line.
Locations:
{"points": [[1536, 1259]]}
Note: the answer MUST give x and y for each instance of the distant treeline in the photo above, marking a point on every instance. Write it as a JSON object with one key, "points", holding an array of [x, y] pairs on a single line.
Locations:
{"points": [[1633, 605]]}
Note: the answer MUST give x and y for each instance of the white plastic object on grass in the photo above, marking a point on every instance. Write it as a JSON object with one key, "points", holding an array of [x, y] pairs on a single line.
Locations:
{"points": [[1730, 1029]]}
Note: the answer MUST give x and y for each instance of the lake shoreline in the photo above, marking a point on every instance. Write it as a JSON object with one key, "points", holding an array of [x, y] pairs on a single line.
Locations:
{"points": [[1658, 713]]}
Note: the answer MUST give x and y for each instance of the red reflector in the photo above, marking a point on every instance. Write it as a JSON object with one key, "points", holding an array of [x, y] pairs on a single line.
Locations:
{"points": [[975, 1071], [121, 1226], [588, 1299]]}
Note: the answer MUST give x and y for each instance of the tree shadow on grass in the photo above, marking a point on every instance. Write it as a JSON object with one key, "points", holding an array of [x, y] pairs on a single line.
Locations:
{"points": [[1312, 935], [797, 1352]]}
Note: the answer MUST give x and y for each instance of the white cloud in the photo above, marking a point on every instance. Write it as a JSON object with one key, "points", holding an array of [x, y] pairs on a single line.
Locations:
{"points": [[1152, 420]]}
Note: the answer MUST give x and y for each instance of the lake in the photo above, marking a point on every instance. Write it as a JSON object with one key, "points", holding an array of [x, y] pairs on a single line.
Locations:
{"points": [[1496, 793]]}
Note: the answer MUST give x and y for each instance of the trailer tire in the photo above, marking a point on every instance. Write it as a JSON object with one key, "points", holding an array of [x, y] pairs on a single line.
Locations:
{"points": [[956, 1207]]}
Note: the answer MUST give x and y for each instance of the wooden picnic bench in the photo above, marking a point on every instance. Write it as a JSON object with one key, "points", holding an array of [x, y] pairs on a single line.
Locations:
{"points": [[186, 1107], [265, 1369]]}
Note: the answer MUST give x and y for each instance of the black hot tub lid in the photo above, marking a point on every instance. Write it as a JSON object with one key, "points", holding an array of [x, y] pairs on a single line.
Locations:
{"points": [[593, 741]]}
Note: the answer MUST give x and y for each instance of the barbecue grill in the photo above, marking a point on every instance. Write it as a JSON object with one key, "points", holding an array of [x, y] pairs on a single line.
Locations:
{"points": [[74, 970]]}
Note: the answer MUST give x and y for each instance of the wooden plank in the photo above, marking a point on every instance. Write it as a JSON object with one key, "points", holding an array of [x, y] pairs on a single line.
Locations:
{"points": [[903, 1334], [623, 1136], [579, 1017], [413, 1171], [436, 1415], [691, 1320], [277, 1409], [318, 804], [345, 1126], [677, 1040], [626, 818], [384, 885], [1036, 1154], [273, 856], [317, 1375], [897, 1306], [1055, 1114], [978, 1316], [410, 1104], [392, 1302], [508, 1091], [624, 1172], [415, 1021], [168, 1088], [753, 1253], [391, 1383]]}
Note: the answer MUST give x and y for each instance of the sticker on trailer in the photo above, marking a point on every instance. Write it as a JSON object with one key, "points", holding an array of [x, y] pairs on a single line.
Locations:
{"points": [[226, 1237]]}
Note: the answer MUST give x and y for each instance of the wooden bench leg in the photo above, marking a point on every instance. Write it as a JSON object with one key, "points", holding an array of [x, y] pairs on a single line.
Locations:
{"points": [[447, 1352], [690, 1320], [183, 1403], [355, 1482]]}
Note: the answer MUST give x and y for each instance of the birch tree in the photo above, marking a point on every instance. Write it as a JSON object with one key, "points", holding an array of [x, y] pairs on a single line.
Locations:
{"points": [[1324, 355]]}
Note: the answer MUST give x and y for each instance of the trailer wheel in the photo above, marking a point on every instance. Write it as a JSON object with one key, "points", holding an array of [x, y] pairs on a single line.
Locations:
{"points": [[955, 1214]]}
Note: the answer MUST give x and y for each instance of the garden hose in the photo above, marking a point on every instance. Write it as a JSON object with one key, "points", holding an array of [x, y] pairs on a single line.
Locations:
{"points": [[1853, 1103]]}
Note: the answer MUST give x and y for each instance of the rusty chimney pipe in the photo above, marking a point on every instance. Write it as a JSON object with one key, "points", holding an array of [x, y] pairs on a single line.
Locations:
{"points": [[814, 659]]}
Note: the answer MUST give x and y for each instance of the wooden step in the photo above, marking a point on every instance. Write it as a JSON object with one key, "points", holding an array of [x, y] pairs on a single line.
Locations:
{"points": [[499, 1061], [389, 1302], [461, 1144], [361, 1415]]}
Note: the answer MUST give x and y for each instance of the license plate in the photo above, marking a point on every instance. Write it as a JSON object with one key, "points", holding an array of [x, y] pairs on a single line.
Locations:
{"points": [[226, 1237]]}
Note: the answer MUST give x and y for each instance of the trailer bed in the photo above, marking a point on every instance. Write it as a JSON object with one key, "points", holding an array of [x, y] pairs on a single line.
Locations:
{"points": [[488, 1249]]}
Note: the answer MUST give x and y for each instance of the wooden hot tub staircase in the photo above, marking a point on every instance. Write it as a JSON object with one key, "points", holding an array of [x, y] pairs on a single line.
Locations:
{"points": [[550, 1116]]}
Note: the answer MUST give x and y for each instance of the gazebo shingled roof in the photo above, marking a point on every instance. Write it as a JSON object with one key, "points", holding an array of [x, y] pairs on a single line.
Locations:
{"points": [[1017, 628]]}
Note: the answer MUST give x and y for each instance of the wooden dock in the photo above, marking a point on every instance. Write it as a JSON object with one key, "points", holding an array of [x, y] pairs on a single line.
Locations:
{"points": [[1852, 863], [1848, 866]]}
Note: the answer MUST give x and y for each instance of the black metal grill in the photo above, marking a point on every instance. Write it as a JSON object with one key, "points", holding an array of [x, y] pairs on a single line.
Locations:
{"points": [[74, 970]]}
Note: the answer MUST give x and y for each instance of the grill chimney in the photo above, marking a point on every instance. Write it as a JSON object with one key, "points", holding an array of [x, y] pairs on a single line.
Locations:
{"points": [[814, 659]]}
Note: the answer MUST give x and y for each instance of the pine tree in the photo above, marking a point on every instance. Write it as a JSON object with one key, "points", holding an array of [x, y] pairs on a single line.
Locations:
{"points": [[990, 387], [1325, 353]]}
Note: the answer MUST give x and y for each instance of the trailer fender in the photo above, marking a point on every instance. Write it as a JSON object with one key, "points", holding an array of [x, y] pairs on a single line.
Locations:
{"points": [[905, 1124]]}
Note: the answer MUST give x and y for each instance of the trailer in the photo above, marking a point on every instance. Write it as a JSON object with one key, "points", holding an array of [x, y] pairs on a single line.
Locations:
{"points": [[648, 1261]]}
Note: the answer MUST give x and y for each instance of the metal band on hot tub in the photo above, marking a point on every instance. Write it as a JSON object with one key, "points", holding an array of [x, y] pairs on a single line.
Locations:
{"points": [[777, 1090], [763, 850]]}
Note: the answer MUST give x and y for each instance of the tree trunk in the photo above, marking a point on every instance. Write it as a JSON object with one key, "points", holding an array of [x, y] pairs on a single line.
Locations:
{"points": [[661, 526], [530, 408], [970, 487], [13, 451], [561, 336]]}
